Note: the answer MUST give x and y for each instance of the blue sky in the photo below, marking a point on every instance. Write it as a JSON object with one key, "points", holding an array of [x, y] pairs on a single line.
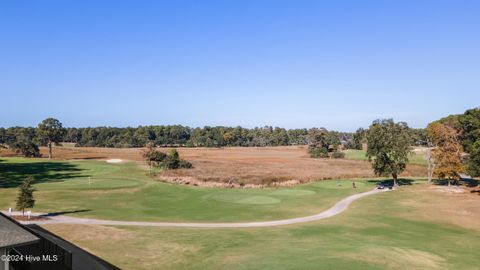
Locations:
{"points": [[337, 64]]}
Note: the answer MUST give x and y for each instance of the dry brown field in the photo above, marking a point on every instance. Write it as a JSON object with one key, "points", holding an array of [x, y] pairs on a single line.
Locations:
{"points": [[254, 165]]}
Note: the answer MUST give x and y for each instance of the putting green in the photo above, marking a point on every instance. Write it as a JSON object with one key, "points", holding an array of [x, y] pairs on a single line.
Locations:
{"points": [[293, 192], [244, 198], [341, 184]]}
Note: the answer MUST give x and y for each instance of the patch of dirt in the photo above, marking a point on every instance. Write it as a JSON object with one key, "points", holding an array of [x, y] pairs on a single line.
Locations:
{"points": [[459, 209], [32, 218], [89, 232], [451, 189]]}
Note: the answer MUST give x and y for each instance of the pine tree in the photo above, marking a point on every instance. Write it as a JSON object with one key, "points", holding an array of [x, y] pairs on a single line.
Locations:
{"points": [[25, 195]]}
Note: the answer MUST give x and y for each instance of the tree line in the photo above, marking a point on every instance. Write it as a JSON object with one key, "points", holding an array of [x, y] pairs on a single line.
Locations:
{"points": [[174, 135]]}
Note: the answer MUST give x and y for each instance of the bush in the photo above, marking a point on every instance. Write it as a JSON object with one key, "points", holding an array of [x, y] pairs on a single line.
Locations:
{"points": [[26, 148], [173, 161], [319, 153], [185, 164], [338, 154], [153, 156], [351, 145]]}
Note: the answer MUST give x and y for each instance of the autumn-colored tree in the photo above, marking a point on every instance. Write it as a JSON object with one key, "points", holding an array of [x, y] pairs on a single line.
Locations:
{"points": [[447, 151]]}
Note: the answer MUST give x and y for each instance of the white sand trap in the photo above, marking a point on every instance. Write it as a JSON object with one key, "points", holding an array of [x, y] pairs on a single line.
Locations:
{"points": [[114, 160]]}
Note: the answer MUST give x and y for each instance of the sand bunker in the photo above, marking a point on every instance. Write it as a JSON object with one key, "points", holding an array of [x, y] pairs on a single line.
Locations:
{"points": [[450, 189], [114, 160]]}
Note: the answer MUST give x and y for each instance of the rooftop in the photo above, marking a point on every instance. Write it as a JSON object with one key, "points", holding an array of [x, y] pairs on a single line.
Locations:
{"points": [[12, 234]]}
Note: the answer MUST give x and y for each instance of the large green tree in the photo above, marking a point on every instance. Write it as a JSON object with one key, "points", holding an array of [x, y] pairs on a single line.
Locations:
{"points": [[470, 127], [25, 195], [388, 147], [473, 168], [51, 131]]}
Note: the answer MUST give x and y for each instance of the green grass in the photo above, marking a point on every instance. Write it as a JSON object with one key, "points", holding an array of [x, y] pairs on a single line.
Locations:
{"points": [[384, 231], [414, 158], [126, 192], [377, 232]]}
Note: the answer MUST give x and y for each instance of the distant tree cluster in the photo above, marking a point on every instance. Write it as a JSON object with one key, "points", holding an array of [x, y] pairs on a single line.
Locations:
{"points": [[191, 137], [323, 143], [25, 141], [174, 136]]}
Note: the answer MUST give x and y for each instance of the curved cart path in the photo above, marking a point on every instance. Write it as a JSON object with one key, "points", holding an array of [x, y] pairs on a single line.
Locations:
{"points": [[338, 208]]}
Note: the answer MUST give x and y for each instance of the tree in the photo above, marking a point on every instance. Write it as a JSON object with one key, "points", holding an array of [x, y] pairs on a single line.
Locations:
{"points": [[318, 142], [474, 159], [447, 151], [359, 138], [430, 161], [388, 147], [153, 157], [25, 195], [470, 126], [27, 148], [51, 131], [23, 142]]}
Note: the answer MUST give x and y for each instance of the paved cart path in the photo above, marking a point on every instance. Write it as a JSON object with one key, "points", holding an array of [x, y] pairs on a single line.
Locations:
{"points": [[338, 208]]}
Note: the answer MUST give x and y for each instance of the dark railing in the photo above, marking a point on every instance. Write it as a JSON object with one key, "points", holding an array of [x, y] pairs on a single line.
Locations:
{"points": [[44, 255]]}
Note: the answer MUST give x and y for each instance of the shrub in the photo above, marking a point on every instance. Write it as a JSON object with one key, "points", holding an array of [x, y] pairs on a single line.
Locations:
{"points": [[338, 154], [172, 160], [26, 148], [153, 156], [319, 152], [185, 164]]}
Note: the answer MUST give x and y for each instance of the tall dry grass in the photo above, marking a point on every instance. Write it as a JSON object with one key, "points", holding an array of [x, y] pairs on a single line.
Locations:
{"points": [[255, 165]]}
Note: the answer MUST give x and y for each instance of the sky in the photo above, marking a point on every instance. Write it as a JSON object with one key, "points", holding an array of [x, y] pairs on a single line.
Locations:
{"points": [[293, 64]]}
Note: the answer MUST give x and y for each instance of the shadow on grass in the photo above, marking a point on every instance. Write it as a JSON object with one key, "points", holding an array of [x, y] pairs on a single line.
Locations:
{"points": [[88, 158], [468, 182], [389, 182], [54, 214], [12, 174]]}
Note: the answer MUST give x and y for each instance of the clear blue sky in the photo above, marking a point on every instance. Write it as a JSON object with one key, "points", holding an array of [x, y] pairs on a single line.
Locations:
{"points": [[337, 64]]}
